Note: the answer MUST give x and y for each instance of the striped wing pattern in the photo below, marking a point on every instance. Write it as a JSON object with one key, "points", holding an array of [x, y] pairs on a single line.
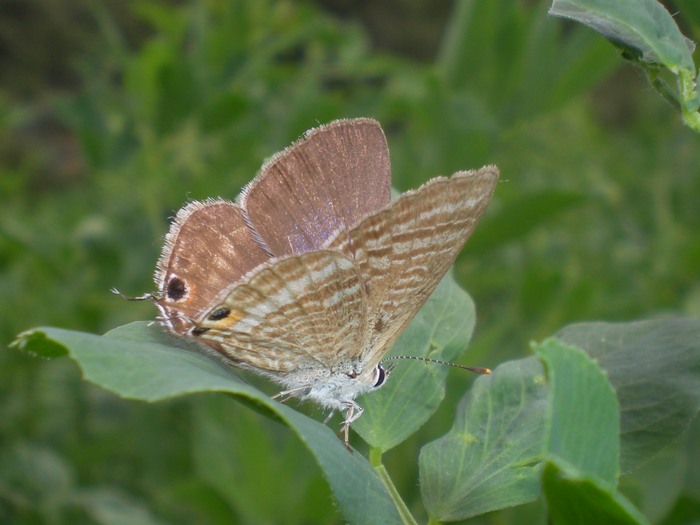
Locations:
{"points": [[348, 303], [301, 312], [314, 275], [329, 180], [404, 251]]}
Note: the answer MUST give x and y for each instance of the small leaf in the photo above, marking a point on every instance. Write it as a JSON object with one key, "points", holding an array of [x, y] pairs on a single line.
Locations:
{"points": [[643, 28], [139, 361], [654, 367], [574, 498], [490, 458], [414, 390], [585, 423]]}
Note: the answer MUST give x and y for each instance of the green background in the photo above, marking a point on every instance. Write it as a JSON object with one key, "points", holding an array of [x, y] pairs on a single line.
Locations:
{"points": [[112, 115]]}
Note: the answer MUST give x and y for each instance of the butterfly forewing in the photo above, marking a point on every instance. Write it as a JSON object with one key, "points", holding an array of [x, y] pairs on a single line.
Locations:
{"points": [[327, 182], [404, 251], [300, 312]]}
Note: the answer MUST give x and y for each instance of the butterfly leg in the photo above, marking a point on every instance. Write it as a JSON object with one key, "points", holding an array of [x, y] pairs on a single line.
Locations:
{"points": [[286, 395], [354, 411], [328, 418]]}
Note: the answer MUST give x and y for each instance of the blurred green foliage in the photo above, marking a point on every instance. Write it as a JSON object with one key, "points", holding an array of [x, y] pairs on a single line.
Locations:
{"points": [[596, 217]]}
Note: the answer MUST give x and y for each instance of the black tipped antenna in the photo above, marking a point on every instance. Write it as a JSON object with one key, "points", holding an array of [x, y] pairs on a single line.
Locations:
{"points": [[475, 369]]}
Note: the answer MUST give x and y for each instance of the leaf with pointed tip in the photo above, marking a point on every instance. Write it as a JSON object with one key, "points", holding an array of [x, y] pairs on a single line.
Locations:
{"points": [[642, 27], [138, 361]]}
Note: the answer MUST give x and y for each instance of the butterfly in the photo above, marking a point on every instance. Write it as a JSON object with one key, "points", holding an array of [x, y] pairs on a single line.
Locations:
{"points": [[311, 276]]}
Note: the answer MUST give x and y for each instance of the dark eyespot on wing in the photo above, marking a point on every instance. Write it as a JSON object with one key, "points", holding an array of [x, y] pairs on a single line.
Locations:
{"points": [[176, 289], [379, 325], [199, 330], [219, 314]]}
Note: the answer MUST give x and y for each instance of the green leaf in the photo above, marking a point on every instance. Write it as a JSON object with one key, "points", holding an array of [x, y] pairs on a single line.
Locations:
{"points": [[490, 458], [654, 367], [574, 498], [582, 467], [585, 423], [139, 361], [36, 341], [687, 510], [414, 390], [642, 26], [649, 38]]}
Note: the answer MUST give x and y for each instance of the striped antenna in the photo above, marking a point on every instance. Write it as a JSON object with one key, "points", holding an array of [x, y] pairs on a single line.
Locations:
{"points": [[475, 369]]}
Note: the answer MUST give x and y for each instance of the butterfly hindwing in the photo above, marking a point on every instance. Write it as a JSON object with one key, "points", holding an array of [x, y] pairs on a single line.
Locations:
{"points": [[305, 311]]}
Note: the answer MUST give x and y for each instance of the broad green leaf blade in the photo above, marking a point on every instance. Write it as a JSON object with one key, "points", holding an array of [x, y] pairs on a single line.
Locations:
{"points": [[490, 458], [642, 26], [585, 424], [654, 367], [576, 499], [138, 361], [414, 390]]}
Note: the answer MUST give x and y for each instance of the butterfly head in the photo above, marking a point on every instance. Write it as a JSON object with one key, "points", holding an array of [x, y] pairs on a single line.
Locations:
{"points": [[339, 389]]}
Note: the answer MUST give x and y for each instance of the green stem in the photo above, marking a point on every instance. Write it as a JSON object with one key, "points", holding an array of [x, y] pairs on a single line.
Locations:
{"points": [[692, 120], [689, 90], [685, 102], [375, 459], [663, 89]]}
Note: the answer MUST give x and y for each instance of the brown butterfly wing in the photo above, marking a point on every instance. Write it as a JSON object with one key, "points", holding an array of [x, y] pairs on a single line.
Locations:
{"points": [[405, 250], [209, 247], [328, 181], [300, 312]]}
